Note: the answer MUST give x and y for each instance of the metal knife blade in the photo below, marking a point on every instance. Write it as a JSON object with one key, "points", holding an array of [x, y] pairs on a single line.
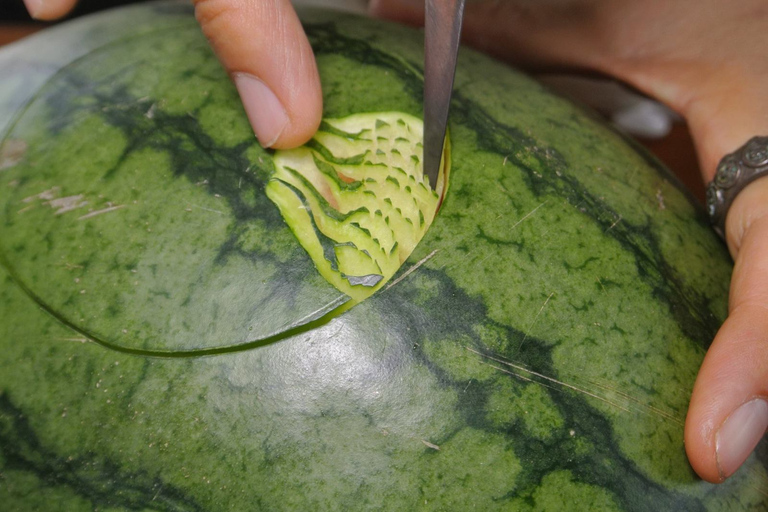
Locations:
{"points": [[442, 28]]}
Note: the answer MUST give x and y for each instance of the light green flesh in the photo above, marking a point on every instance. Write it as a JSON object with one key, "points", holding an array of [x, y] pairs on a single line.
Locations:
{"points": [[356, 197]]}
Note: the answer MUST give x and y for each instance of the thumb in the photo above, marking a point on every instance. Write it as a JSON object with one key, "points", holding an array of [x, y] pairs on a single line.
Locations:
{"points": [[728, 414], [262, 45]]}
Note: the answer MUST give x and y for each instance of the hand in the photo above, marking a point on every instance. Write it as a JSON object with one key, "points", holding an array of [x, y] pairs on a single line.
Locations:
{"points": [[728, 413], [706, 62], [263, 48]]}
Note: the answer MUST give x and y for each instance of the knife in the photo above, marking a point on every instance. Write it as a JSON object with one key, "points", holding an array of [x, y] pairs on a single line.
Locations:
{"points": [[442, 27]]}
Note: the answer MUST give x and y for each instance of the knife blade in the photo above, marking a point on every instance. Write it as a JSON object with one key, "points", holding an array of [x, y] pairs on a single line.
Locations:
{"points": [[442, 28]]}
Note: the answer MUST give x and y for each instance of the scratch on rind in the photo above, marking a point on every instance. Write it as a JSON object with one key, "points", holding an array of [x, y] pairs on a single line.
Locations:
{"points": [[340, 301], [534, 321], [528, 375], [637, 402], [157, 493], [614, 224], [528, 214], [99, 212], [208, 209], [521, 368], [601, 284], [67, 204], [150, 113], [45, 195], [78, 340], [430, 445], [11, 153], [412, 269], [761, 491], [759, 475], [60, 204]]}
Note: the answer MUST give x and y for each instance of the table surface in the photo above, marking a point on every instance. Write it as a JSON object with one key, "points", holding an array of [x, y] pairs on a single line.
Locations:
{"points": [[675, 150]]}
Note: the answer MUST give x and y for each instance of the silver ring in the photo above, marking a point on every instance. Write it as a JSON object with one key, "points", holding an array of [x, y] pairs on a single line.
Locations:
{"points": [[734, 172]]}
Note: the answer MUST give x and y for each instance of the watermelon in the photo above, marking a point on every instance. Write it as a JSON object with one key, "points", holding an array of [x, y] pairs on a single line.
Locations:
{"points": [[168, 342]]}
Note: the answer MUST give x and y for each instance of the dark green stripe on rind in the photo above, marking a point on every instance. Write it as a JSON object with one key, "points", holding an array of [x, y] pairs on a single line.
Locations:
{"points": [[604, 465], [101, 483], [550, 176], [166, 250]]}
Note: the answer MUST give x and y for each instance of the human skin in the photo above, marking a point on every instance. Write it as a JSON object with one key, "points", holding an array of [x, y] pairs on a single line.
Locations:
{"points": [[705, 59]]}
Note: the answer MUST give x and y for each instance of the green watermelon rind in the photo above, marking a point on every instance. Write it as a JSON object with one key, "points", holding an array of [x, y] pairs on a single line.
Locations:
{"points": [[507, 368]]}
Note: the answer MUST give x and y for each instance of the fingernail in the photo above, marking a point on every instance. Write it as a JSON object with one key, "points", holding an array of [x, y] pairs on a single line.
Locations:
{"points": [[34, 7], [739, 435], [265, 112]]}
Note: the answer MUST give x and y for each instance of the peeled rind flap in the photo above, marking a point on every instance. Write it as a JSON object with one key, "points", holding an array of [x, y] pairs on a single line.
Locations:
{"points": [[356, 197], [133, 208]]}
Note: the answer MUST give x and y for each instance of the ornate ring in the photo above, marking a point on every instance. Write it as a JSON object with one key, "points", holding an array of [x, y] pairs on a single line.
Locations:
{"points": [[734, 172]]}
